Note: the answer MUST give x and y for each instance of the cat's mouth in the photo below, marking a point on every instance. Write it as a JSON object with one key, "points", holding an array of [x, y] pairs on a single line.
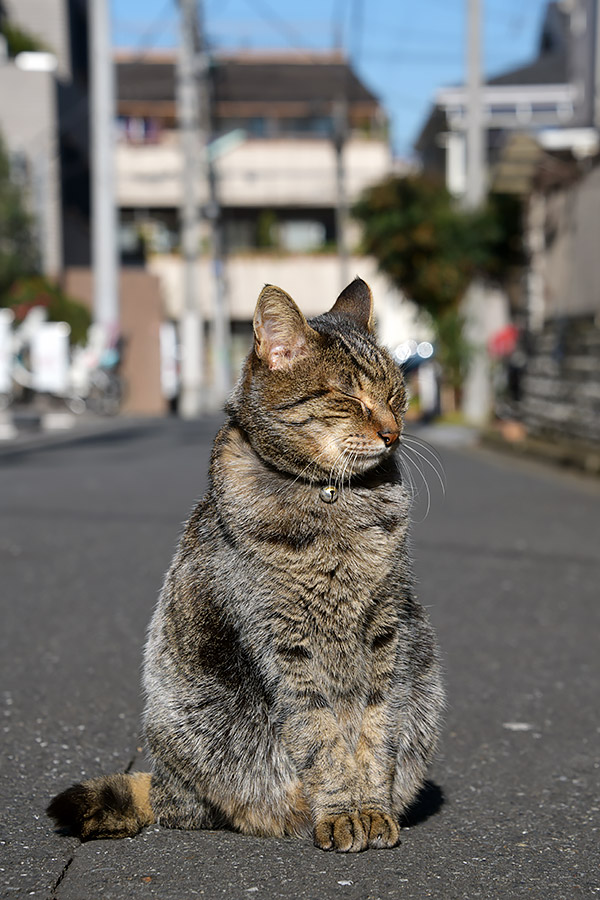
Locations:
{"points": [[371, 450], [360, 457]]}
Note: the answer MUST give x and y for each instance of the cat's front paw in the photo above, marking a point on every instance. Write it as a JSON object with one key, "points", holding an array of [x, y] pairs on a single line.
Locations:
{"points": [[381, 829], [343, 833]]}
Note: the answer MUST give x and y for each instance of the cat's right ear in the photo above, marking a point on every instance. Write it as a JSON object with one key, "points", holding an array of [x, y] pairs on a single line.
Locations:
{"points": [[282, 334], [356, 303]]}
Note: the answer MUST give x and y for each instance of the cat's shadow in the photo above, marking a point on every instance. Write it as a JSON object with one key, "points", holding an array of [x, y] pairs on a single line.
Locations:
{"points": [[429, 802]]}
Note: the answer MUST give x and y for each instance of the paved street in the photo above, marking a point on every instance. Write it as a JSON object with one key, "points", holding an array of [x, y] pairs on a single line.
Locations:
{"points": [[508, 564]]}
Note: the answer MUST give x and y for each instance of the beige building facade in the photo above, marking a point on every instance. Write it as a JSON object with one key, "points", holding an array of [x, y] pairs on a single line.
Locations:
{"points": [[277, 182]]}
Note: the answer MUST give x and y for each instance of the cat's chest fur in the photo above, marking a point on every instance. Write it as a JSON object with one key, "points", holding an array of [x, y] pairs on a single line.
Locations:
{"points": [[311, 568], [286, 523]]}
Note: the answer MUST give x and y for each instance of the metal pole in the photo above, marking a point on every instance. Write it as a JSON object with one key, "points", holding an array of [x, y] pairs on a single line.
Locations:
{"points": [[476, 150], [340, 135], [221, 327], [193, 145], [104, 210], [476, 402]]}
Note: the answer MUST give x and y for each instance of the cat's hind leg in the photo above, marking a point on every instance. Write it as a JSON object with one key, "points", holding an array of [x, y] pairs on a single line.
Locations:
{"points": [[112, 806], [177, 804]]}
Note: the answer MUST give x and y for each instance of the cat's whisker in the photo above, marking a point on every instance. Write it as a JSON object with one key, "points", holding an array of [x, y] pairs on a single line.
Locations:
{"points": [[421, 473], [423, 443], [352, 457], [323, 453], [339, 481], [407, 474], [437, 465], [331, 479], [346, 468], [441, 480], [409, 470]]}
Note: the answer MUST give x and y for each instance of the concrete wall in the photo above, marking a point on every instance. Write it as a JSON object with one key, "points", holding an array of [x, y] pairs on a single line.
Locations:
{"points": [[312, 280], [571, 257], [141, 315], [561, 385], [48, 21], [267, 173], [28, 123]]}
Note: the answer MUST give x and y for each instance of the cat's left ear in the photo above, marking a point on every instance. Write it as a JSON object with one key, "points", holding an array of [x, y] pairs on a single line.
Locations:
{"points": [[282, 333], [356, 303]]}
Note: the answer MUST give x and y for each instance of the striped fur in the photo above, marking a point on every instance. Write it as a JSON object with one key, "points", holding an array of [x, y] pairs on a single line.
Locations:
{"points": [[292, 680]]}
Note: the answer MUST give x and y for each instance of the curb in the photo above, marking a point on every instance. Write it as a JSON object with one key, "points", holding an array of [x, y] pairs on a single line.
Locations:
{"points": [[26, 443], [560, 453]]}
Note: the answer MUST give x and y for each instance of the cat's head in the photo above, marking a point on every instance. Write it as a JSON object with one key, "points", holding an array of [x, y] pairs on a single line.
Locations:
{"points": [[320, 397]]}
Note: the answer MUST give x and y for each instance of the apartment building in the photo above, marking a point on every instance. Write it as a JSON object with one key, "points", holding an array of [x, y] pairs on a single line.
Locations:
{"points": [[273, 128], [44, 115], [555, 98]]}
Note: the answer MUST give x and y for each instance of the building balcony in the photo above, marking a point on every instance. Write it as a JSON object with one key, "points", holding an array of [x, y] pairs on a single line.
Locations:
{"points": [[255, 173]]}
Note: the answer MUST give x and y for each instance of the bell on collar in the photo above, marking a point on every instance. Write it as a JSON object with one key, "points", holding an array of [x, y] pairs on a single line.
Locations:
{"points": [[328, 494]]}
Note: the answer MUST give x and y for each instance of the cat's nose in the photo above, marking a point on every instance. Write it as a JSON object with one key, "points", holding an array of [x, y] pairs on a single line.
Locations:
{"points": [[388, 437]]}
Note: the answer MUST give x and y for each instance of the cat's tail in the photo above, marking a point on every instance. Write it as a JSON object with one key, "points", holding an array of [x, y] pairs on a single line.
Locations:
{"points": [[112, 806]]}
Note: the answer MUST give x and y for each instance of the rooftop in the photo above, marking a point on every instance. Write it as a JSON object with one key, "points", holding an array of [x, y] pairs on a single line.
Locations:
{"points": [[265, 78]]}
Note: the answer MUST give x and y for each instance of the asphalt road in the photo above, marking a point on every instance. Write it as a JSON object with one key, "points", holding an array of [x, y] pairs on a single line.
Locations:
{"points": [[508, 564]]}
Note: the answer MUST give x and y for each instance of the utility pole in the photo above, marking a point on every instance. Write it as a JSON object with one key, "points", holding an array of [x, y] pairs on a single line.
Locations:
{"points": [[221, 329], [104, 211], [340, 136], [191, 64], [477, 386], [476, 149]]}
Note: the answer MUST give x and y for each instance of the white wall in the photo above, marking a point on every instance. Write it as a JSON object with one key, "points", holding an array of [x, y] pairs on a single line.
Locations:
{"points": [[267, 173], [313, 282], [28, 125], [46, 20]]}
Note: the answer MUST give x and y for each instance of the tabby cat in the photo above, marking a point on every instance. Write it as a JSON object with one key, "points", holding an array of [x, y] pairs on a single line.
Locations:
{"points": [[292, 680]]}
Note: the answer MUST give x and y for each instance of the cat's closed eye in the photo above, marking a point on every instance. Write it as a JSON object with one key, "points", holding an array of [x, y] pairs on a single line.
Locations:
{"points": [[364, 405]]}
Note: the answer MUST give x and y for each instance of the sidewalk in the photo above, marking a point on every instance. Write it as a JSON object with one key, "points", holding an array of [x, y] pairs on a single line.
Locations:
{"points": [[24, 430], [566, 453]]}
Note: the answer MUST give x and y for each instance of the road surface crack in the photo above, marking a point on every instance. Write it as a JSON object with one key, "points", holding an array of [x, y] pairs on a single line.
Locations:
{"points": [[61, 877]]}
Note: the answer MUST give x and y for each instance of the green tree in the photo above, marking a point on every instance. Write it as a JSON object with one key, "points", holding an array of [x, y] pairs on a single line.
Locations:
{"points": [[40, 291], [432, 249], [18, 248], [21, 284]]}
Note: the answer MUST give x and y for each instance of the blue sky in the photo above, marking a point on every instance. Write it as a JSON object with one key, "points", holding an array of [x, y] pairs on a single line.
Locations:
{"points": [[402, 50]]}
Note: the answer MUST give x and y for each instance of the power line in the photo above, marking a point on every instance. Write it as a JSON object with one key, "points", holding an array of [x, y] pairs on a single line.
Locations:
{"points": [[401, 57], [155, 30], [337, 24], [291, 34], [357, 29]]}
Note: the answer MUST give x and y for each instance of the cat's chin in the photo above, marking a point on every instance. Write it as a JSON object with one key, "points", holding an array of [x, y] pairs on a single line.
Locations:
{"points": [[368, 461], [361, 463]]}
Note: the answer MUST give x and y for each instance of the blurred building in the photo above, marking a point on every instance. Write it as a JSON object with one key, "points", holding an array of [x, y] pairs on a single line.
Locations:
{"points": [[272, 138], [44, 121], [555, 368], [542, 124], [556, 97], [44, 114]]}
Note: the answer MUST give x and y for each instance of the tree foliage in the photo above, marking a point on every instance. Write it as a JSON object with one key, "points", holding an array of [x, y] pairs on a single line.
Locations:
{"points": [[21, 285], [18, 247], [432, 249], [40, 291]]}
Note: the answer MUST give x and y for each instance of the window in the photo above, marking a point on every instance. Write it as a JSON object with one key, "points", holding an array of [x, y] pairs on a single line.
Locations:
{"points": [[301, 236]]}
